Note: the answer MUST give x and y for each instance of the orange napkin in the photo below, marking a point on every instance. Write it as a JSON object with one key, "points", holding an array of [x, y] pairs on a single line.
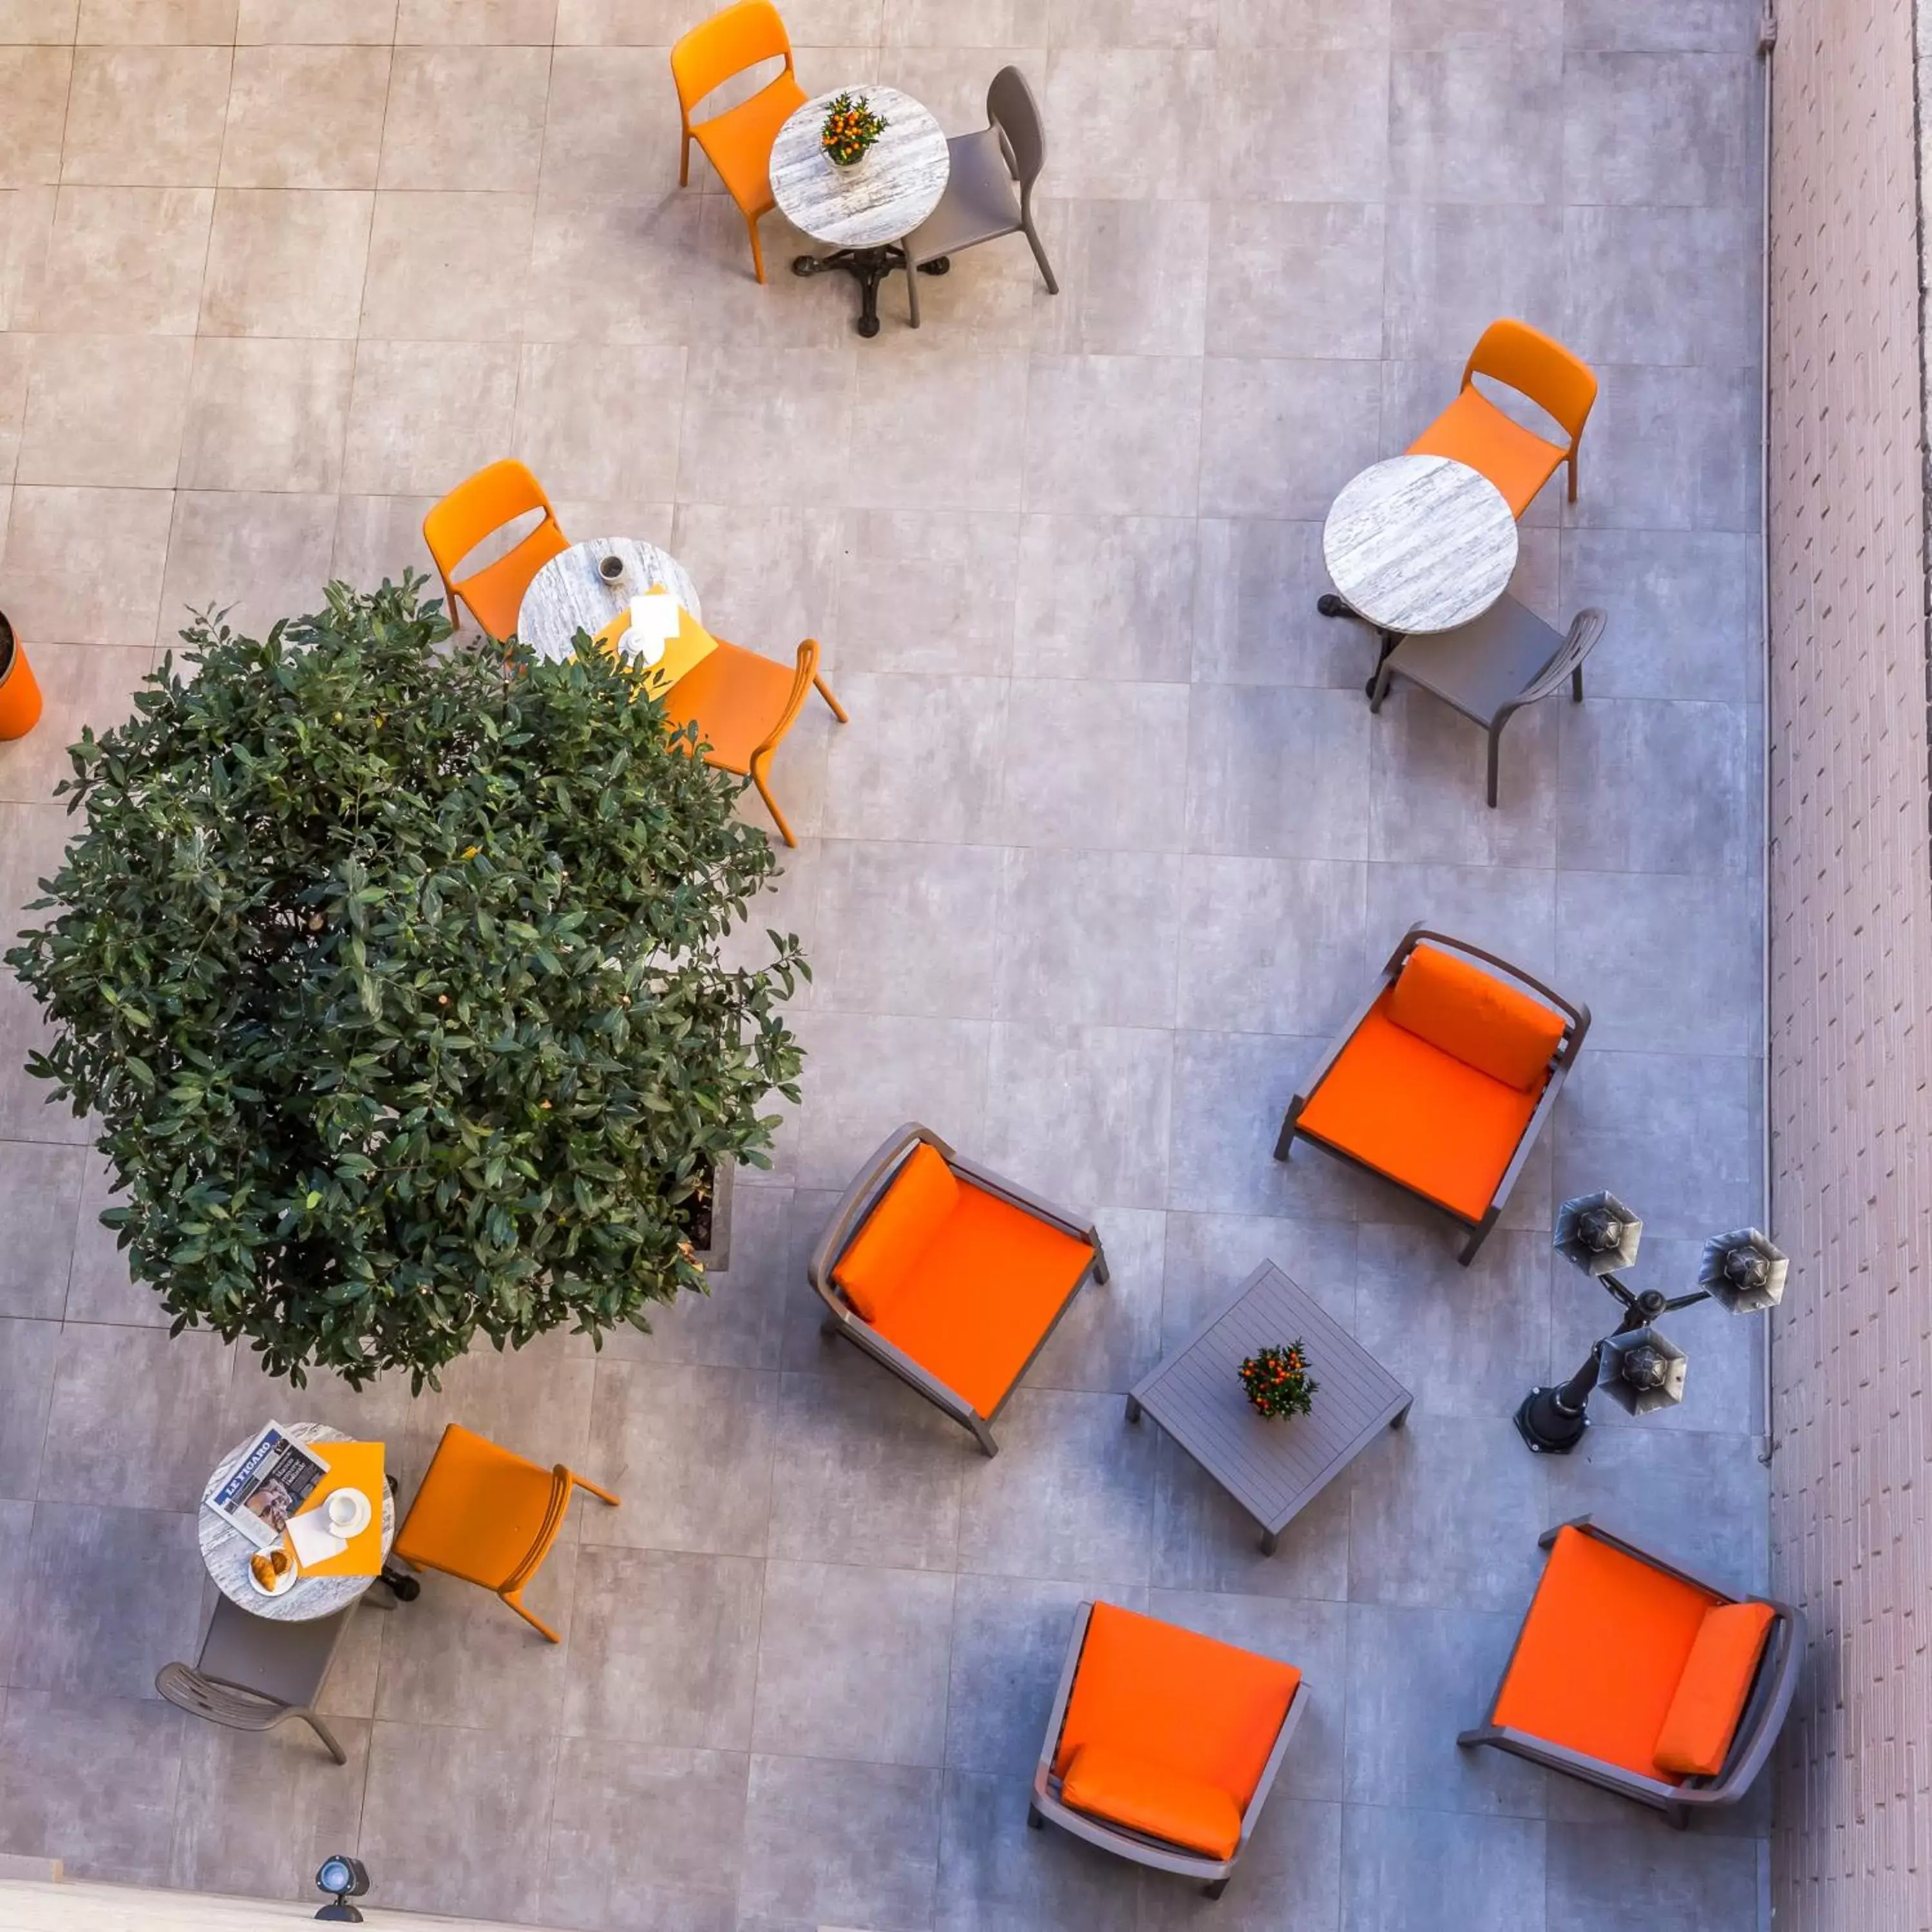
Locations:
{"points": [[692, 646], [351, 1465]]}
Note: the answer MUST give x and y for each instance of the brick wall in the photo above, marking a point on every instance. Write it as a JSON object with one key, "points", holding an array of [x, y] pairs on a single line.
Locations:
{"points": [[1851, 958]]}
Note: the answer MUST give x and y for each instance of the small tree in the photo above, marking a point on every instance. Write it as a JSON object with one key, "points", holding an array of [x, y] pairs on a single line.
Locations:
{"points": [[395, 979]]}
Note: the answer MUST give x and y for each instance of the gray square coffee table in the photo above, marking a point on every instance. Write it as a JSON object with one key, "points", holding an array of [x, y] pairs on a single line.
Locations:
{"points": [[1274, 1469]]}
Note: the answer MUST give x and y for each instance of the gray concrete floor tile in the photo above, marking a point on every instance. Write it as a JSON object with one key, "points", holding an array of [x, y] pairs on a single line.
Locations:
{"points": [[256, 1812], [91, 1780], [852, 1663], [1399, 1867], [1270, 946], [832, 1843], [1593, 1871], [1477, 120], [1416, 1679], [1453, 267], [866, 1471], [1090, 938], [1290, 1872], [928, 591], [645, 1838], [1446, 1514], [1070, 1497], [1659, 129], [1254, 619], [17, 1528], [108, 1597], [455, 1819], [994, 1871], [29, 1352], [663, 1649]]}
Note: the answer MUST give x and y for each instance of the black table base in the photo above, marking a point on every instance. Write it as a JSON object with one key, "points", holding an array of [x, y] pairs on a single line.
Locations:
{"points": [[868, 267], [1330, 605]]}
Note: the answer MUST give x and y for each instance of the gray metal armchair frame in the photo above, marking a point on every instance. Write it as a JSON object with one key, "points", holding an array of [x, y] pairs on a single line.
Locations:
{"points": [[1118, 1839], [861, 1197], [1565, 1058], [1758, 1727], [1489, 669], [976, 205], [254, 1673]]}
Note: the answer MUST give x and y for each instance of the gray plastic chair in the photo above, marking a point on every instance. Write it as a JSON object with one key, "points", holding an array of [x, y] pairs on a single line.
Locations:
{"points": [[1490, 669], [254, 1673], [979, 204]]}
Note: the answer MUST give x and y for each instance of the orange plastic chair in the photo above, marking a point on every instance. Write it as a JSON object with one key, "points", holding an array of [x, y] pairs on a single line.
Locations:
{"points": [[742, 705], [738, 142], [478, 508], [1473, 430], [488, 1516]]}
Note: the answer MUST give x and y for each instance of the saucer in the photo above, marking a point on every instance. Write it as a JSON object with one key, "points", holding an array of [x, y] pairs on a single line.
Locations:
{"points": [[356, 1524]]}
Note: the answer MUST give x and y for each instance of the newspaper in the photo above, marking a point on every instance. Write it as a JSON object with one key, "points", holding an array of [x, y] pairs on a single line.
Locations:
{"points": [[276, 1475]]}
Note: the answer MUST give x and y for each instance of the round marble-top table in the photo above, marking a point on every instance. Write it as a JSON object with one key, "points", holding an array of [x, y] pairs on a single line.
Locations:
{"points": [[1419, 544], [569, 594], [861, 210], [227, 1551]]}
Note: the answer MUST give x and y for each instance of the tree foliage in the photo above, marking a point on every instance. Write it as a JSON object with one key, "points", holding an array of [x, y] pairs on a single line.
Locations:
{"points": [[398, 981]]}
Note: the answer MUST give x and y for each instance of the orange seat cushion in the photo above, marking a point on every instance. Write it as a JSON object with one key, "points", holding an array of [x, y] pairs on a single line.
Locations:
{"points": [[1711, 1695], [1419, 1115], [479, 1512], [1147, 1797], [883, 1255], [737, 698], [738, 142], [1201, 1711], [980, 1297], [1454, 1004], [1473, 430], [1602, 1652]]}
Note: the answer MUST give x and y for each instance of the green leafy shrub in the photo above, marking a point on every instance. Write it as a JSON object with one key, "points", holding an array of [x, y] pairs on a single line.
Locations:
{"points": [[397, 982]]}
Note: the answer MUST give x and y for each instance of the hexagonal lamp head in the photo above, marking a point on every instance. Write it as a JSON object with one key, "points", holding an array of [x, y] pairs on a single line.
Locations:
{"points": [[1642, 1371], [1597, 1233], [1744, 1272]]}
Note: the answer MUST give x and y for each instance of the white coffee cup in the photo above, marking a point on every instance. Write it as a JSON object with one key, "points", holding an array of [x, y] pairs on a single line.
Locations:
{"points": [[344, 1507]]}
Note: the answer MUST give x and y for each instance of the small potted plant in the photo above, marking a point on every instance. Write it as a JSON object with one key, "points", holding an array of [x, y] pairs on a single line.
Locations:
{"points": [[1278, 1382], [851, 128]]}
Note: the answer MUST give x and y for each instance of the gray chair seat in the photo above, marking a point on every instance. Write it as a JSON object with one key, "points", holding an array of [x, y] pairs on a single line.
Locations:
{"points": [[978, 204], [989, 187], [253, 1674], [1488, 669]]}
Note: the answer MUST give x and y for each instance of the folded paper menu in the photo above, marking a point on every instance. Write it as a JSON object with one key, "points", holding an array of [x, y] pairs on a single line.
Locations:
{"points": [[658, 639], [351, 1465]]}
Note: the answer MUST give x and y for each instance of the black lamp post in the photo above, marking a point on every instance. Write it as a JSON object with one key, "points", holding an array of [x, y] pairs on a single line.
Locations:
{"points": [[1637, 1367]]}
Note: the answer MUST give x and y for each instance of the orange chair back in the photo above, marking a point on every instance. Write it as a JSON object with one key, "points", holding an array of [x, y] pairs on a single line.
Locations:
{"points": [[725, 45], [1538, 367], [478, 507]]}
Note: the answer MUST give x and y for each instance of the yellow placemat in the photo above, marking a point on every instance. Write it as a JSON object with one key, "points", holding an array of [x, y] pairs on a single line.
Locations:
{"points": [[684, 653], [351, 1465]]}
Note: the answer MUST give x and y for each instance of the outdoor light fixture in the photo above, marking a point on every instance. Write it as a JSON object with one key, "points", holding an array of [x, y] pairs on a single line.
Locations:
{"points": [[345, 1878], [1640, 1371]]}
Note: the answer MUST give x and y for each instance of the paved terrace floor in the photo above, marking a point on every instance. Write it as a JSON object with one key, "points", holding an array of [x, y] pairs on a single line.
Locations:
{"points": [[1108, 847]]}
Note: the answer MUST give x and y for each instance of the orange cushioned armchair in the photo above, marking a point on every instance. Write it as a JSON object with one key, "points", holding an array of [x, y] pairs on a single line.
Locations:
{"points": [[949, 1275], [1162, 1744], [1631, 1673], [1444, 1077]]}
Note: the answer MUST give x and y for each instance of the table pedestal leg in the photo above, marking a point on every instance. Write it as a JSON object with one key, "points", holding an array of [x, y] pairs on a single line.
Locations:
{"points": [[868, 267], [1330, 605]]}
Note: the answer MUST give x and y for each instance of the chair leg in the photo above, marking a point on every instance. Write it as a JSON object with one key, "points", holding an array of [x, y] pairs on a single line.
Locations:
{"points": [[684, 162], [1215, 1888], [912, 290], [758, 254], [1035, 1822], [601, 1494], [322, 1731], [772, 805], [1576, 685], [1380, 691], [1039, 257], [983, 1435], [1495, 747], [535, 1621], [824, 691], [1573, 475]]}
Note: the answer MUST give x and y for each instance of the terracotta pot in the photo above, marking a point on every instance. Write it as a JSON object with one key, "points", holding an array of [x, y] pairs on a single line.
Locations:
{"points": [[19, 695]]}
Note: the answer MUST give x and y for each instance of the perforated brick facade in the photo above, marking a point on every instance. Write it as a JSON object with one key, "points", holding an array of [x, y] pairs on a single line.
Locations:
{"points": [[1851, 958]]}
